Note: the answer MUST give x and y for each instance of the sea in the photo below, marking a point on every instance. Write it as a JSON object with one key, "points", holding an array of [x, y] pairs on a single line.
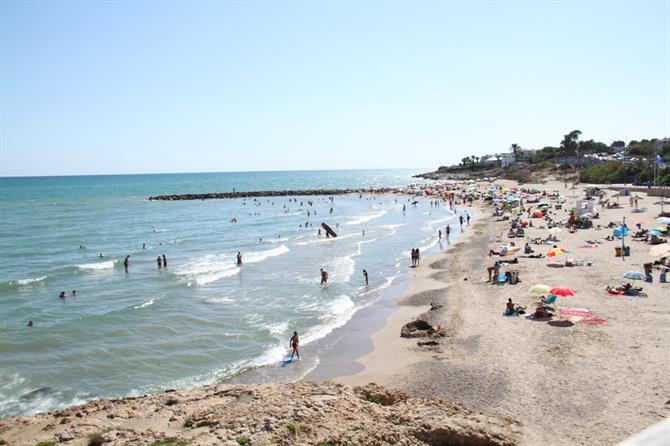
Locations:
{"points": [[203, 319]]}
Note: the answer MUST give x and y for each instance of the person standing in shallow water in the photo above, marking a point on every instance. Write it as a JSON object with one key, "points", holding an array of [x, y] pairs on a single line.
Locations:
{"points": [[324, 277], [164, 261], [159, 261], [126, 262], [294, 344], [365, 274], [239, 258]]}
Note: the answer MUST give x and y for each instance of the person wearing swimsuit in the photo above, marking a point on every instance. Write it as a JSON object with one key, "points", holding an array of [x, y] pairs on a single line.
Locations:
{"points": [[295, 343]]}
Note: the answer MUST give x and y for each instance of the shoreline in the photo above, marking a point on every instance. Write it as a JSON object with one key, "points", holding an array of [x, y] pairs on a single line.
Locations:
{"points": [[428, 286], [528, 381], [558, 380]]}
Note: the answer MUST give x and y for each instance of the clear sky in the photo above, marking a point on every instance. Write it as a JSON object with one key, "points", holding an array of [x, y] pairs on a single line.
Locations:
{"points": [[132, 87]]}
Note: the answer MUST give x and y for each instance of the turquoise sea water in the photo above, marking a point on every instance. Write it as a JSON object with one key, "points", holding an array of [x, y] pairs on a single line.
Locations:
{"points": [[202, 319]]}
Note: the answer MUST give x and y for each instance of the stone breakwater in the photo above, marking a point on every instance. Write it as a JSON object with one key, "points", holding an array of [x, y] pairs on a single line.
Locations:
{"points": [[271, 193], [265, 414]]}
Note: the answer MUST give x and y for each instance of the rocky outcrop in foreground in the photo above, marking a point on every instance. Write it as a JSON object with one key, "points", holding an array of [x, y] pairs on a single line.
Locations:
{"points": [[304, 413]]}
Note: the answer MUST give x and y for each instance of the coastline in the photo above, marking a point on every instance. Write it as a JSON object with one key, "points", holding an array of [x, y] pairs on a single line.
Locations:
{"points": [[563, 382], [426, 286], [526, 382]]}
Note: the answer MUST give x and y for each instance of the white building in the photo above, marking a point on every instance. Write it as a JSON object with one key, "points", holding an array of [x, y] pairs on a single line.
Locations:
{"points": [[506, 159]]}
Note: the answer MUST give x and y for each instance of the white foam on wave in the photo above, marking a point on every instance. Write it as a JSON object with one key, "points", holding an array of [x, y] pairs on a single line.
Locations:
{"points": [[29, 281], [148, 303], [291, 214], [18, 399], [223, 300], [340, 269], [325, 239], [365, 218], [338, 313], [387, 283], [259, 256], [360, 244], [213, 267], [97, 266], [277, 328]]}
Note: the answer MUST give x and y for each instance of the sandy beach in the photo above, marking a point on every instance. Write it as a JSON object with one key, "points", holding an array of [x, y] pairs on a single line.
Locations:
{"points": [[566, 382]]}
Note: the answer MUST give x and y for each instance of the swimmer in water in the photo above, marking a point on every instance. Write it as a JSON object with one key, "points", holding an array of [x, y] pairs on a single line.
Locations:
{"points": [[126, 262], [239, 258], [31, 324], [62, 295]]}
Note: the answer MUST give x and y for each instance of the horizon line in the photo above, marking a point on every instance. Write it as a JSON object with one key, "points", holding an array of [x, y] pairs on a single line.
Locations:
{"points": [[205, 172]]}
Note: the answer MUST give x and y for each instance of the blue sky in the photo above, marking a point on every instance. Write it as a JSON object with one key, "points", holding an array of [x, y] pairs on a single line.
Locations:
{"points": [[132, 87]]}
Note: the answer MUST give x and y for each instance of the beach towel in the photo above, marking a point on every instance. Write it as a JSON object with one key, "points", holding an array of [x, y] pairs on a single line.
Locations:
{"points": [[587, 246], [511, 314], [593, 321], [575, 312], [614, 293]]}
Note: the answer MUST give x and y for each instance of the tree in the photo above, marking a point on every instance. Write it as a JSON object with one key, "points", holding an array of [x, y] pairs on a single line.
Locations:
{"points": [[570, 143], [517, 151]]}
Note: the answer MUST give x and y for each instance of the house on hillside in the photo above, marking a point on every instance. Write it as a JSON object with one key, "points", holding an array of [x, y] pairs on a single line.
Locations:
{"points": [[488, 160], [506, 160]]}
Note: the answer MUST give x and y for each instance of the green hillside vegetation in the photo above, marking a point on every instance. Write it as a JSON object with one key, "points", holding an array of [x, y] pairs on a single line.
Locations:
{"points": [[569, 158]]}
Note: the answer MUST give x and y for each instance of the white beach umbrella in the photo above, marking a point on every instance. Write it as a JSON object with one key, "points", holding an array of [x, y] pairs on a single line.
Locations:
{"points": [[660, 250]]}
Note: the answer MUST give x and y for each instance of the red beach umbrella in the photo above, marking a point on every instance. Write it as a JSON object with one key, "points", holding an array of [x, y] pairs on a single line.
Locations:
{"points": [[562, 291]]}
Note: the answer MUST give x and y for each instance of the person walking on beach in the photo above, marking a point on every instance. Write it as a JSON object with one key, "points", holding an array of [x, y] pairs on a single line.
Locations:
{"points": [[468, 218], [164, 261], [126, 262], [239, 258], [365, 274], [159, 261], [294, 343], [324, 277], [413, 255], [447, 230], [439, 234], [418, 257], [460, 219]]}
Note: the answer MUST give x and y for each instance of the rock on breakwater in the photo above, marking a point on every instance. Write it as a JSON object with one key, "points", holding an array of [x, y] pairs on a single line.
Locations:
{"points": [[270, 193]]}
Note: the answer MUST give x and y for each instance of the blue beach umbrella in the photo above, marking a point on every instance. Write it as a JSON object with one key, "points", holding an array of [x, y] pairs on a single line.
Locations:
{"points": [[634, 275], [620, 231]]}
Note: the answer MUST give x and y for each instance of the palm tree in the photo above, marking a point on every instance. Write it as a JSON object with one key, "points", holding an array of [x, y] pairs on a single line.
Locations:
{"points": [[517, 151]]}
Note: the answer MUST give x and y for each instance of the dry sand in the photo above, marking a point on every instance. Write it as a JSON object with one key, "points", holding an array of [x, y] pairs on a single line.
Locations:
{"points": [[567, 385]]}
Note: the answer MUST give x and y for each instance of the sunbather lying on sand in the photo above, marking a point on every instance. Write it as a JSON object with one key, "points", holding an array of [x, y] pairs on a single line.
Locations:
{"points": [[626, 289]]}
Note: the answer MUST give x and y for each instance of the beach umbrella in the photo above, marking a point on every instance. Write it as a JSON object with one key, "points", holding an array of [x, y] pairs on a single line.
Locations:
{"points": [[556, 252], [663, 220], [662, 203], [562, 291], [555, 230], [620, 231], [639, 222], [660, 250], [634, 275], [539, 289]]}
